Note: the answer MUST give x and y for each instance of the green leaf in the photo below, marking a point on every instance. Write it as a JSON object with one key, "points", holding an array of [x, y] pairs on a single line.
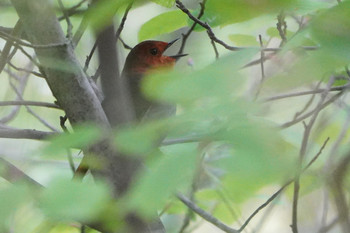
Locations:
{"points": [[254, 160], [67, 200], [306, 69], [101, 13], [12, 198], [304, 7], [299, 39], [273, 32], [332, 30], [140, 139], [161, 24], [166, 3], [168, 173], [220, 79], [213, 199], [308, 184], [224, 12], [80, 138], [243, 40]]}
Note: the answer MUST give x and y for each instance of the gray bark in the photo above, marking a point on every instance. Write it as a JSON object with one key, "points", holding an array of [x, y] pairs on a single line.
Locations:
{"points": [[74, 94]]}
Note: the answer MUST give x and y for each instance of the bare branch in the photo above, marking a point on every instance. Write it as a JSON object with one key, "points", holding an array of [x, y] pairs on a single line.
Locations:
{"points": [[35, 46], [215, 49], [66, 17], [301, 93], [207, 216], [268, 201], [325, 104], [25, 70], [205, 25], [22, 85], [25, 134], [212, 35], [308, 103], [124, 44], [9, 43], [122, 23], [42, 120], [188, 33], [29, 103], [262, 59], [282, 27], [12, 174], [337, 183], [302, 155]]}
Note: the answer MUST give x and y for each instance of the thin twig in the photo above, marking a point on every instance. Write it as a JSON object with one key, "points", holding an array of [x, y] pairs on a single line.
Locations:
{"points": [[80, 31], [29, 103], [122, 23], [325, 104], [336, 181], [117, 34], [190, 30], [88, 58], [193, 189], [282, 27], [73, 9], [32, 59], [205, 25], [9, 43], [301, 93], [262, 58], [262, 55], [207, 216], [63, 120], [42, 120], [302, 155], [21, 87], [308, 103], [35, 46], [259, 61], [268, 201], [26, 134], [12, 174], [212, 35], [215, 49], [66, 17], [126, 46], [25, 70]]}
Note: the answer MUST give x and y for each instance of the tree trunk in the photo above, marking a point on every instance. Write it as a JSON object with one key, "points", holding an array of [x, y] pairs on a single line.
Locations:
{"points": [[74, 94]]}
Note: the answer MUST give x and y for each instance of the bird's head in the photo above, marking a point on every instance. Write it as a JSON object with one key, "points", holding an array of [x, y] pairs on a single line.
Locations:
{"points": [[147, 56]]}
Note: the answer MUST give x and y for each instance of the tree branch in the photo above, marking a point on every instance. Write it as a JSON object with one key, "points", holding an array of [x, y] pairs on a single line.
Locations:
{"points": [[26, 134], [29, 103], [213, 37], [268, 201], [188, 33], [325, 104], [302, 93], [207, 216]]}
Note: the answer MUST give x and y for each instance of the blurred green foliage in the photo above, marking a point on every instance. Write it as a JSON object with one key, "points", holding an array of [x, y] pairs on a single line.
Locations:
{"points": [[240, 150], [161, 24]]}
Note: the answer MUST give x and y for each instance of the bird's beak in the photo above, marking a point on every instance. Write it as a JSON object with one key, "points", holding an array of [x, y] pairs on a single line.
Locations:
{"points": [[177, 56], [171, 42]]}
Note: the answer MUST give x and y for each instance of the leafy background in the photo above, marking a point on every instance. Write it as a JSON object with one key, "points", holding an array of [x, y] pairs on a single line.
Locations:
{"points": [[243, 155]]}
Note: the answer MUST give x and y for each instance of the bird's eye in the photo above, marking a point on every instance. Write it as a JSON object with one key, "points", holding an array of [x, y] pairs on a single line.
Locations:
{"points": [[154, 51]]}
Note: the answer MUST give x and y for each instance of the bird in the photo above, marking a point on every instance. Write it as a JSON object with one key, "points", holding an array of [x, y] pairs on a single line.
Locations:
{"points": [[145, 58]]}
